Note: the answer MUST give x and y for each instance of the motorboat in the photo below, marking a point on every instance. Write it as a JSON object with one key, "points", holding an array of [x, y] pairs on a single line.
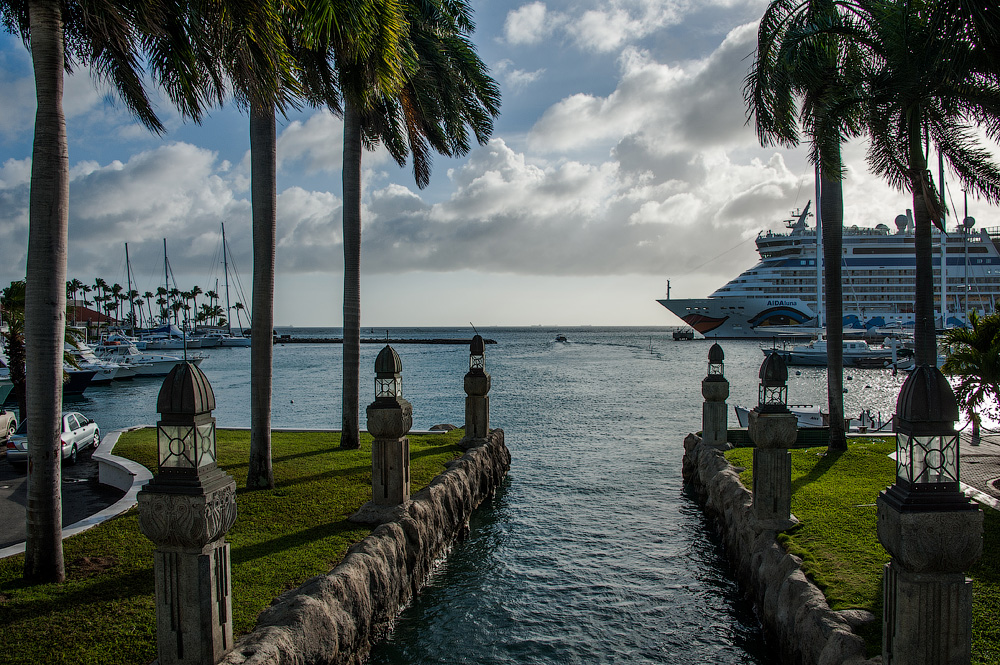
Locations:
{"points": [[857, 353], [811, 416], [144, 362], [235, 341], [84, 357]]}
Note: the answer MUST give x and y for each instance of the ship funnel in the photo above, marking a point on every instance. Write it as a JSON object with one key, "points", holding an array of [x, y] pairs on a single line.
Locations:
{"points": [[901, 222], [910, 224]]}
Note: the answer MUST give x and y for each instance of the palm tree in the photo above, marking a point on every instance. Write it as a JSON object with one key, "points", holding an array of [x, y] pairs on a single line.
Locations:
{"points": [[148, 297], [12, 308], [195, 292], [61, 32], [974, 361], [809, 78], [446, 93], [297, 64], [930, 83]]}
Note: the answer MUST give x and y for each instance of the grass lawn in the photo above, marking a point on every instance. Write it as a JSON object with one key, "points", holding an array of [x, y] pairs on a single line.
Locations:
{"points": [[104, 613], [834, 496]]}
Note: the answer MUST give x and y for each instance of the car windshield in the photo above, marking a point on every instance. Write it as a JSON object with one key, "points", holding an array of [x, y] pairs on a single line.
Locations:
{"points": [[23, 427]]}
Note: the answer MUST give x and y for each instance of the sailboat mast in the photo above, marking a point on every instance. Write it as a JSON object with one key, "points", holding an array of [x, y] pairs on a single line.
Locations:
{"points": [[943, 246], [166, 279], [225, 267], [128, 278]]}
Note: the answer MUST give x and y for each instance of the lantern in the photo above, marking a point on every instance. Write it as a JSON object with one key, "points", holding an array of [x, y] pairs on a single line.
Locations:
{"points": [[927, 465], [716, 366], [388, 382], [185, 434], [773, 392], [477, 355]]}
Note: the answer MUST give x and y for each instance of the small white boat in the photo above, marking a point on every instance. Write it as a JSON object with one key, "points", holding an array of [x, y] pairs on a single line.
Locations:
{"points": [[105, 371], [144, 363], [857, 353], [811, 416], [235, 341]]}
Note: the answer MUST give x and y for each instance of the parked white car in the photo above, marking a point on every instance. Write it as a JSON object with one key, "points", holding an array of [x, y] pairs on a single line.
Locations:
{"points": [[8, 423], [78, 433]]}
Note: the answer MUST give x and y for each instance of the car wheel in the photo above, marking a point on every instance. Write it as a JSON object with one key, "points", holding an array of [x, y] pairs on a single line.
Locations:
{"points": [[72, 455], [11, 429], [97, 438]]}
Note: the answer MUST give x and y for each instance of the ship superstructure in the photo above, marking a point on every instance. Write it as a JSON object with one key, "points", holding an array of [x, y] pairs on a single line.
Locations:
{"points": [[878, 271]]}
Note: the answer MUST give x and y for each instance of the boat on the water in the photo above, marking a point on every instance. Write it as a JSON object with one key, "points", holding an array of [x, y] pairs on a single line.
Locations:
{"points": [[779, 294], [145, 363], [810, 416], [857, 353]]}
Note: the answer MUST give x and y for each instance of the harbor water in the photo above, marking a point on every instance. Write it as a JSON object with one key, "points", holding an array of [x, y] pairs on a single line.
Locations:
{"points": [[591, 552]]}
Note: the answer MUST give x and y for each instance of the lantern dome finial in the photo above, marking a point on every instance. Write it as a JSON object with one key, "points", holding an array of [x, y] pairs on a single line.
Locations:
{"points": [[185, 391], [715, 354], [387, 361], [478, 346], [773, 371], [926, 396]]}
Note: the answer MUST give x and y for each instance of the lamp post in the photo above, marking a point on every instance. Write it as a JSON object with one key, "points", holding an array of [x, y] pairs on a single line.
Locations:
{"points": [[715, 390], [186, 511], [930, 528], [477, 401], [389, 419], [773, 429]]}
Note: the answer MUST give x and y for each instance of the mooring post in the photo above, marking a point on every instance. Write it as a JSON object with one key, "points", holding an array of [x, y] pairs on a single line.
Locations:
{"points": [[389, 419], [186, 511], [931, 529], [773, 429], [715, 390], [477, 401]]}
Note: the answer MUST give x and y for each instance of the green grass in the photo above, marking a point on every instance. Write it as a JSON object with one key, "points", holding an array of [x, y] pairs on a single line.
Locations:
{"points": [[834, 496], [103, 612]]}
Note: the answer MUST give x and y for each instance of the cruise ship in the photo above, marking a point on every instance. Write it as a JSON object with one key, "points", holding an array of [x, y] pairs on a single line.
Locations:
{"points": [[779, 295]]}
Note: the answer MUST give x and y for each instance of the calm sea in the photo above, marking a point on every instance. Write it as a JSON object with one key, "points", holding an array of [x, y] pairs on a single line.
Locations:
{"points": [[591, 552]]}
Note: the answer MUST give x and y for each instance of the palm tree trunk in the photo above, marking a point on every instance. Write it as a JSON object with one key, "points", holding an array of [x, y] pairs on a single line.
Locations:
{"points": [[264, 197], [45, 297], [350, 435], [924, 333], [832, 207]]}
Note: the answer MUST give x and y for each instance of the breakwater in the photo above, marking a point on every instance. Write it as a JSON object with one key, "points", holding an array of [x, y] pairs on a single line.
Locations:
{"points": [[335, 618], [793, 610], [288, 339]]}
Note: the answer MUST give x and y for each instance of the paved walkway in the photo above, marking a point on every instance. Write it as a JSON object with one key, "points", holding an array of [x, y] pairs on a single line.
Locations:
{"points": [[980, 466]]}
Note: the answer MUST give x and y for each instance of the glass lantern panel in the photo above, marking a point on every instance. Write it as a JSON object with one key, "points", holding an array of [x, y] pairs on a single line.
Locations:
{"points": [[391, 387], [928, 459], [176, 446], [477, 362], [715, 369], [773, 394], [206, 444]]}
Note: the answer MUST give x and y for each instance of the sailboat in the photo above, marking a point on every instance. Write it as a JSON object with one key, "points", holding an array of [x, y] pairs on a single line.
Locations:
{"points": [[228, 338]]}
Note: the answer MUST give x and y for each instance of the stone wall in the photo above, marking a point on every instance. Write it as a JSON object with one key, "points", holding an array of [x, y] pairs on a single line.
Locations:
{"points": [[795, 614], [335, 618]]}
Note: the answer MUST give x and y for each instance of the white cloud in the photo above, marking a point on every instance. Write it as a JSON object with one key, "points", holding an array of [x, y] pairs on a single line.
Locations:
{"points": [[515, 79], [318, 142], [528, 24]]}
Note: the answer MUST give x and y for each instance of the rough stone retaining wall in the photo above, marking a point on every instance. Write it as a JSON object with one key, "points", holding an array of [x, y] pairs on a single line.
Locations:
{"points": [[794, 612], [335, 618]]}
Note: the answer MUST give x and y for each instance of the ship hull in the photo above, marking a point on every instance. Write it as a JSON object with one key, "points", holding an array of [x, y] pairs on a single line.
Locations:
{"points": [[744, 317]]}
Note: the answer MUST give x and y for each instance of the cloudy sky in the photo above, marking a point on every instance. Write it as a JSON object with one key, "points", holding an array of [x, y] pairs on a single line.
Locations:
{"points": [[621, 159]]}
